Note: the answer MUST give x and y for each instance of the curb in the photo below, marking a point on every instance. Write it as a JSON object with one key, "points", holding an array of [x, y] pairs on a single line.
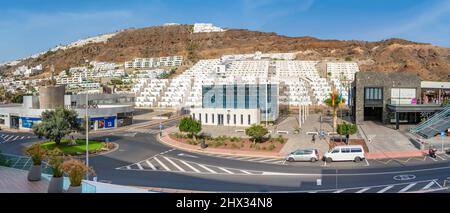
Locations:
{"points": [[202, 151]]}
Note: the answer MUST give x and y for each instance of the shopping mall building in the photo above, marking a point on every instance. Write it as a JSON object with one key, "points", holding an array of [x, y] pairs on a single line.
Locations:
{"points": [[105, 111]]}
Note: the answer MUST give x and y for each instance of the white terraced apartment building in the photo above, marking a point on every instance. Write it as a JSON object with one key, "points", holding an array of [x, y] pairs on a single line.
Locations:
{"points": [[300, 82], [149, 63], [206, 28]]}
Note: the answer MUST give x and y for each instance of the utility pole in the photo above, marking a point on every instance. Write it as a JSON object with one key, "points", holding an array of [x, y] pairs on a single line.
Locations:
{"points": [[87, 135], [267, 97]]}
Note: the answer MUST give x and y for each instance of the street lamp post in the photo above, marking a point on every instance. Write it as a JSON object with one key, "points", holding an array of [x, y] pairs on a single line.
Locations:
{"points": [[87, 135]]}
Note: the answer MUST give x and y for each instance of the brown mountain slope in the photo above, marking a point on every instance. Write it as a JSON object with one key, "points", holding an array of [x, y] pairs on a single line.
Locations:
{"points": [[430, 62]]}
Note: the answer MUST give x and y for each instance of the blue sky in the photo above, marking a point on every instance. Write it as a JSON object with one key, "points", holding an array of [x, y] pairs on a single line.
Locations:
{"points": [[31, 26]]}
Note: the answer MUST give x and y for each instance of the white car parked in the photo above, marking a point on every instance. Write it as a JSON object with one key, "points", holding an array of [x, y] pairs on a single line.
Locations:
{"points": [[345, 153]]}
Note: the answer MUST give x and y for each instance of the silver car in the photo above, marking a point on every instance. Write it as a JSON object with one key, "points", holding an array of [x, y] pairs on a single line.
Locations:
{"points": [[303, 155]]}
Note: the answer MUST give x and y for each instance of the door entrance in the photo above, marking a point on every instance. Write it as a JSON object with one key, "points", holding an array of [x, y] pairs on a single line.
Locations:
{"points": [[14, 122], [373, 113]]}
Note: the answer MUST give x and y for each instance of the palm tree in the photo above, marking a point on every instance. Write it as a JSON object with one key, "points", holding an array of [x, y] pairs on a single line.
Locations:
{"points": [[335, 106]]}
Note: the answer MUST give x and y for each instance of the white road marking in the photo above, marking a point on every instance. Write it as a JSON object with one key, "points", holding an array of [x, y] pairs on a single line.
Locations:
{"points": [[440, 157], [432, 158], [245, 172], [407, 187], [428, 185], [207, 169], [339, 191], [225, 170], [162, 164], [9, 138], [16, 138], [191, 167], [385, 189], [268, 160], [150, 165], [22, 137], [174, 164], [367, 162], [363, 190], [128, 167], [139, 166]]}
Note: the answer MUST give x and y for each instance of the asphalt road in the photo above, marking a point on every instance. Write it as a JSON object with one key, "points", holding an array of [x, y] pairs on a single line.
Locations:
{"points": [[141, 160]]}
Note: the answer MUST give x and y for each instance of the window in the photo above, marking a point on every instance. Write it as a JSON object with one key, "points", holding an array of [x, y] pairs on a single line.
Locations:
{"points": [[242, 119], [335, 151], [212, 118], [371, 93], [200, 116], [206, 117], [356, 150], [193, 116], [345, 150], [247, 97], [228, 119], [299, 152], [308, 152], [234, 119], [249, 120]]}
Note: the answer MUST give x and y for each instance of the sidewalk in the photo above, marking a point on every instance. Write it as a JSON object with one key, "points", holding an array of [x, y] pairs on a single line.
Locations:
{"points": [[15, 181], [191, 148]]}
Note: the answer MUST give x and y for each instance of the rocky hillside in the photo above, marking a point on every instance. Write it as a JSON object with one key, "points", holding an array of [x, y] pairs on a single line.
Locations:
{"points": [[397, 55]]}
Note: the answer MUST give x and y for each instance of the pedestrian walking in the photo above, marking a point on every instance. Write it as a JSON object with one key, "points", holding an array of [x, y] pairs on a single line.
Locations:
{"points": [[313, 139]]}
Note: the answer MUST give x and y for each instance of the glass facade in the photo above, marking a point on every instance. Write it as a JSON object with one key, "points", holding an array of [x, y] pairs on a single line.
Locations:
{"points": [[243, 96]]}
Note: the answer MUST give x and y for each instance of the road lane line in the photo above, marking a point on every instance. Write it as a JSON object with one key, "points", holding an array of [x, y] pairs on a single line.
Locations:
{"points": [[139, 166], [191, 167], [207, 169], [9, 138], [440, 157], [432, 158], [269, 160], [174, 164], [243, 171], [150, 165], [339, 191], [16, 138], [363, 190], [428, 185], [129, 167], [22, 137], [407, 187], [162, 164], [225, 170], [385, 189]]}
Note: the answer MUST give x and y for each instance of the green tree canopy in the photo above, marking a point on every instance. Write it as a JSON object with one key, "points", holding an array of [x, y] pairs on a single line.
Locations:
{"points": [[346, 129], [56, 124], [190, 125], [256, 132]]}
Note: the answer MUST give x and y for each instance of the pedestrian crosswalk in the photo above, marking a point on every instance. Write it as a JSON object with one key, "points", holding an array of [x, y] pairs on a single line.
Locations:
{"points": [[169, 164], [251, 159], [411, 187], [5, 138]]}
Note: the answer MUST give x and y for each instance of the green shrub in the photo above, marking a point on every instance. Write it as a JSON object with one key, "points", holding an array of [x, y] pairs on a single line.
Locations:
{"points": [[235, 139], [234, 146], [257, 147], [280, 139], [192, 142], [264, 148], [242, 145], [271, 147]]}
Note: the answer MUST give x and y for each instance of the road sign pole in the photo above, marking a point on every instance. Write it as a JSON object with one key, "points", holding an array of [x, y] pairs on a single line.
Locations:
{"points": [[442, 141]]}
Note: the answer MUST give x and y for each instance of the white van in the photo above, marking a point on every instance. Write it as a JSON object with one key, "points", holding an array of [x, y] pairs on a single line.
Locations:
{"points": [[345, 153]]}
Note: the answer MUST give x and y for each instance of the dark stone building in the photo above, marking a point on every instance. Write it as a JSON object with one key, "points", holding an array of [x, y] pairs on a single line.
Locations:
{"points": [[376, 95]]}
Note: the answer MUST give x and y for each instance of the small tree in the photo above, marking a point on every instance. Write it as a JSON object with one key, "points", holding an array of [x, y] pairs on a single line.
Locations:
{"points": [[56, 124], [335, 106], [190, 125], [346, 129], [256, 132]]}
